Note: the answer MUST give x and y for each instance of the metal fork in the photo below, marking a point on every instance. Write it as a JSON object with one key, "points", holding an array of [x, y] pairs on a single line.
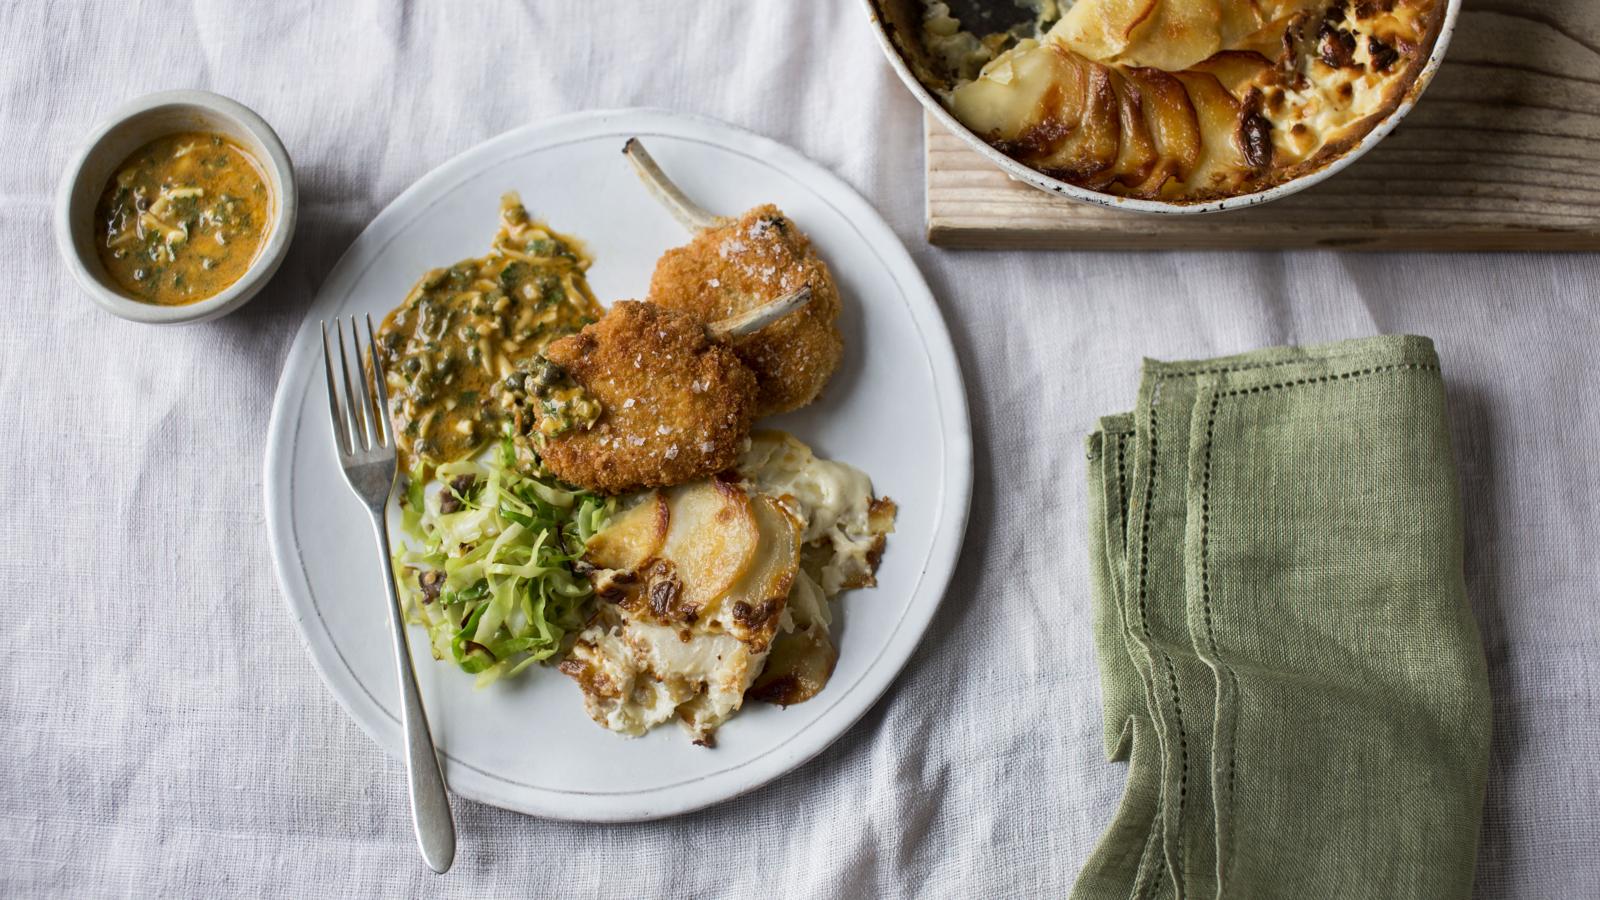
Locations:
{"points": [[364, 440]]}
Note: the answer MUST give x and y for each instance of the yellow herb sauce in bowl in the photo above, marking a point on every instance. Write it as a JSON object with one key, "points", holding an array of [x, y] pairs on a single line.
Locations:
{"points": [[182, 219], [179, 207]]}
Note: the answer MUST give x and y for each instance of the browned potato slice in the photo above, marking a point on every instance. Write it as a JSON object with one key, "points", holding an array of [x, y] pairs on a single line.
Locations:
{"points": [[1238, 70], [1222, 157], [1174, 129], [711, 540], [1176, 35], [797, 668], [1014, 98], [632, 537], [1240, 19], [756, 600], [1088, 115], [1244, 74], [1101, 29], [1046, 107], [1136, 158]]}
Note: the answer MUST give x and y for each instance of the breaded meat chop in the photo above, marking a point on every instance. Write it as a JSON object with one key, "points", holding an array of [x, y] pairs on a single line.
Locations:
{"points": [[734, 265], [675, 405], [726, 270]]}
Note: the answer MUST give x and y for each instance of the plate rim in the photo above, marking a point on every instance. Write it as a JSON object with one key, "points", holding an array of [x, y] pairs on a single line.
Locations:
{"points": [[938, 567]]}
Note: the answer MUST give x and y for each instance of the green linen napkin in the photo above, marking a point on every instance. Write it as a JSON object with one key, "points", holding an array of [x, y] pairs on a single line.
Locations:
{"points": [[1288, 663]]}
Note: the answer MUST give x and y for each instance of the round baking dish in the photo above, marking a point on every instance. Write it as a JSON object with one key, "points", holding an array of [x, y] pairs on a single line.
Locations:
{"points": [[882, 28]]}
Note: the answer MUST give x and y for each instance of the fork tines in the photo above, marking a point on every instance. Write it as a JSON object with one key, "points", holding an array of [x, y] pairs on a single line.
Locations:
{"points": [[360, 423]]}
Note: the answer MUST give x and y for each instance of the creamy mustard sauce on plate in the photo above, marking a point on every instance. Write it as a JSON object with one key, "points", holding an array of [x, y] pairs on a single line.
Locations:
{"points": [[461, 354]]}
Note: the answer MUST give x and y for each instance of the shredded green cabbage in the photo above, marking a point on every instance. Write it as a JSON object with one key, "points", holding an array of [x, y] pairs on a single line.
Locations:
{"points": [[494, 580]]}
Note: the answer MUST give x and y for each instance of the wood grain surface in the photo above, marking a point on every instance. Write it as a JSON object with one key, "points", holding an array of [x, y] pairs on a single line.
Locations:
{"points": [[1501, 153]]}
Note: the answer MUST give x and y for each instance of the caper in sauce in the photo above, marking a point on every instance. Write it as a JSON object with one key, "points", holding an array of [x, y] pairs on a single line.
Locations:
{"points": [[563, 404]]}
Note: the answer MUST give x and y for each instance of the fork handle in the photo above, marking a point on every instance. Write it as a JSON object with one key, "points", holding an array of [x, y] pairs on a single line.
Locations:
{"points": [[430, 803]]}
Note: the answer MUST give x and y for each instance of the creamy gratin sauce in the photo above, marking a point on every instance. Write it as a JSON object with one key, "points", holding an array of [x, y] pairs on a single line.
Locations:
{"points": [[182, 218], [461, 354]]}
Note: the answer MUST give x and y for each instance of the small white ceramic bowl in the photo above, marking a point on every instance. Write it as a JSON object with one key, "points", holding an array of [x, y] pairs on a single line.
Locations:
{"points": [[135, 124], [1019, 172]]}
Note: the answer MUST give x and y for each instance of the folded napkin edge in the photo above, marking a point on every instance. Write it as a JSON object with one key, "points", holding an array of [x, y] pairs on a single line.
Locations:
{"points": [[1389, 349]]}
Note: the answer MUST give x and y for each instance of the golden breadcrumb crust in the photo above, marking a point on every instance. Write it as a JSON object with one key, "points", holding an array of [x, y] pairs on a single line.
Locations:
{"points": [[732, 268], [676, 405]]}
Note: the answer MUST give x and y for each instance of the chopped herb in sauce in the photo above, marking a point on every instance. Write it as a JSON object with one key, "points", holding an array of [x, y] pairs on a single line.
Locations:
{"points": [[182, 218], [452, 350], [563, 404]]}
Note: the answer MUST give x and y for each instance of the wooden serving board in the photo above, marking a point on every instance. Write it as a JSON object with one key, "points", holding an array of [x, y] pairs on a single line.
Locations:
{"points": [[1501, 153]]}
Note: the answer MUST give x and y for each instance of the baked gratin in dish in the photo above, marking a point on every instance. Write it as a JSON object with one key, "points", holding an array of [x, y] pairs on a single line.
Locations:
{"points": [[1181, 102]]}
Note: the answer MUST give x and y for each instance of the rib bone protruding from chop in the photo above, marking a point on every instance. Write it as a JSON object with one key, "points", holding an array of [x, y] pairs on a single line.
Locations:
{"points": [[746, 274]]}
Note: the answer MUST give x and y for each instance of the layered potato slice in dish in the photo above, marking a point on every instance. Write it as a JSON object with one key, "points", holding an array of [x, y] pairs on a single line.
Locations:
{"points": [[1181, 100], [699, 584]]}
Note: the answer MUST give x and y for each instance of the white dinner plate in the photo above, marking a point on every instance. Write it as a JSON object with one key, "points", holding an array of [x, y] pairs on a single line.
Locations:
{"points": [[896, 409]]}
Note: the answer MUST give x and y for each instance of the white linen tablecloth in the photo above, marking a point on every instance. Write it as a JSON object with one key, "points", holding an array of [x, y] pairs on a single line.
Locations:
{"points": [[163, 732]]}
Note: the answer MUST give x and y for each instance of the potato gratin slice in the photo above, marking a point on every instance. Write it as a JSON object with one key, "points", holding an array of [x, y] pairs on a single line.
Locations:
{"points": [[717, 589]]}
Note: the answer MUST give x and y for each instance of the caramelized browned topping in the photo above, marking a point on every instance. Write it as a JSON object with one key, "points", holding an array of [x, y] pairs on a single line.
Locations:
{"points": [[1255, 132], [1383, 56], [797, 668], [1335, 46], [665, 592]]}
